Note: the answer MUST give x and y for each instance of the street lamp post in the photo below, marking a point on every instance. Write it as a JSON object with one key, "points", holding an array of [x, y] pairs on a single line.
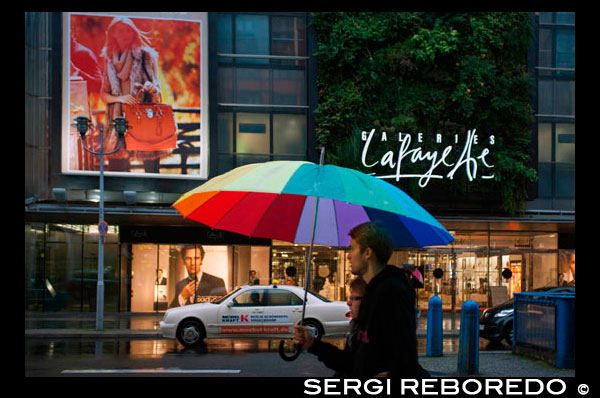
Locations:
{"points": [[120, 125]]}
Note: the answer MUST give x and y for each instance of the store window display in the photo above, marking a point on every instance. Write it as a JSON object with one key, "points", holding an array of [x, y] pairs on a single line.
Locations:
{"points": [[198, 285], [165, 276], [566, 272], [171, 275]]}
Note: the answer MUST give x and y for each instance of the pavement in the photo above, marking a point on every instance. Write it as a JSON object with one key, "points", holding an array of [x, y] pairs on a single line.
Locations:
{"points": [[502, 363]]}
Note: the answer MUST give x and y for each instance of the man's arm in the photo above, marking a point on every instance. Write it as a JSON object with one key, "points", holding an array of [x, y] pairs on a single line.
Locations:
{"points": [[330, 355]]}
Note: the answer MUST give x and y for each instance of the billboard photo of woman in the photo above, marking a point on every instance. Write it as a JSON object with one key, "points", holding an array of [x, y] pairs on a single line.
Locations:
{"points": [[118, 65]]}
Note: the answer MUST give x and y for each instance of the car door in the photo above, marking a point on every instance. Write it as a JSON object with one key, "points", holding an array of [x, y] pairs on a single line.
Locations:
{"points": [[242, 315], [282, 312]]}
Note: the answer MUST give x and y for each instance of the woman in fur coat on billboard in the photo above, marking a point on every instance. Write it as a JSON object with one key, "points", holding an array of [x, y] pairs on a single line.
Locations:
{"points": [[131, 65]]}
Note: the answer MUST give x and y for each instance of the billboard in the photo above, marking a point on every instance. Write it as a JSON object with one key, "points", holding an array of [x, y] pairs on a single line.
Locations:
{"points": [[149, 67]]}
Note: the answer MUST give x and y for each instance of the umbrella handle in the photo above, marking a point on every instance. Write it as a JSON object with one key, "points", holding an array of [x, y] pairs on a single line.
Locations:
{"points": [[293, 357]]}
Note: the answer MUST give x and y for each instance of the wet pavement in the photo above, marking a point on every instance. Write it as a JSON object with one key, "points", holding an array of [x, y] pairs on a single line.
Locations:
{"points": [[146, 323], [72, 357], [59, 342], [147, 326]]}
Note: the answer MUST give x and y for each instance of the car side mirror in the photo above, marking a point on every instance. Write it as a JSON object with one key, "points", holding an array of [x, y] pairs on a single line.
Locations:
{"points": [[230, 304]]}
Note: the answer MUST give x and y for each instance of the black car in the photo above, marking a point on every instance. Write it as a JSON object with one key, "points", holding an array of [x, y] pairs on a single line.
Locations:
{"points": [[496, 323]]}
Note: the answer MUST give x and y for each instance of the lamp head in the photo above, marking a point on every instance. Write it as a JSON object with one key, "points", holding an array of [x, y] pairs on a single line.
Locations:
{"points": [[83, 124], [120, 124]]}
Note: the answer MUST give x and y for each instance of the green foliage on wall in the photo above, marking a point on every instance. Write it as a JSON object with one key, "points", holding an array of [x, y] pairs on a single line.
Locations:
{"points": [[428, 73]]}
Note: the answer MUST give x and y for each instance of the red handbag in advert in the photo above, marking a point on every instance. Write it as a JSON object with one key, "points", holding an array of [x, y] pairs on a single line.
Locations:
{"points": [[152, 127]]}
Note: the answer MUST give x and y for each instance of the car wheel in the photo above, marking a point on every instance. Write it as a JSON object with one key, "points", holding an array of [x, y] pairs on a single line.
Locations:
{"points": [[190, 333], [317, 325], [509, 333]]}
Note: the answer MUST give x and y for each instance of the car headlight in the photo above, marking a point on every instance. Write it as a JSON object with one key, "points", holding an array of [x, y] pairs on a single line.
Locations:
{"points": [[503, 313]]}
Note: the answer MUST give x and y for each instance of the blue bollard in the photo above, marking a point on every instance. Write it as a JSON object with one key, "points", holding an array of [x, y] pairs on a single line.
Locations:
{"points": [[434, 327], [468, 349], [565, 332]]}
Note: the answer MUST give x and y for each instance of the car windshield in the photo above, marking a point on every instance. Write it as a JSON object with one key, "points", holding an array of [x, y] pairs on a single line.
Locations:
{"points": [[219, 301], [320, 297]]}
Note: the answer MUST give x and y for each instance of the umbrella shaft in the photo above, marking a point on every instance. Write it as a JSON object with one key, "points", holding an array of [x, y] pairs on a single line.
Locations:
{"points": [[306, 283], [309, 260], [312, 239]]}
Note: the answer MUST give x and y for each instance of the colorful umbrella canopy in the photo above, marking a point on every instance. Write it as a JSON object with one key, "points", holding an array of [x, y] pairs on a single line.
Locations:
{"points": [[276, 200]]}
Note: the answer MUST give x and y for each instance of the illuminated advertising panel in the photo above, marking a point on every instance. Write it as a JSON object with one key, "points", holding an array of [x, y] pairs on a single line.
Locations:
{"points": [[149, 67]]}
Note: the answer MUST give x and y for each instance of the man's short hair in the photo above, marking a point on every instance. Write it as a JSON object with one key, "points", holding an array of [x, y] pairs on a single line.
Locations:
{"points": [[191, 247], [374, 236]]}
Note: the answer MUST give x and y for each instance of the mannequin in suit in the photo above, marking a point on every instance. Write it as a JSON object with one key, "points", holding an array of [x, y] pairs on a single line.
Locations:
{"points": [[197, 283], [160, 279]]}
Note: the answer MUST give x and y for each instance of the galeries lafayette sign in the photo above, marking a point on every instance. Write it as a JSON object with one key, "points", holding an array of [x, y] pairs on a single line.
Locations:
{"points": [[443, 163]]}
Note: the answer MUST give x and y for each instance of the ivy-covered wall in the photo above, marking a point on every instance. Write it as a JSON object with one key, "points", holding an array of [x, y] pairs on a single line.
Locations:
{"points": [[429, 73]]}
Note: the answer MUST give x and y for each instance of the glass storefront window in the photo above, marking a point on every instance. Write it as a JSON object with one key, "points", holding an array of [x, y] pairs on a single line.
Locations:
{"points": [[251, 258], [329, 277], [35, 290], [165, 276], [89, 277], [472, 268], [290, 258], [544, 270], [62, 279], [91, 234], [63, 276], [566, 268], [61, 266]]}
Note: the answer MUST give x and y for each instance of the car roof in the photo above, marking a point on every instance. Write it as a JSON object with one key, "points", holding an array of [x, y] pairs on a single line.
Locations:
{"points": [[272, 286], [296, 289]]}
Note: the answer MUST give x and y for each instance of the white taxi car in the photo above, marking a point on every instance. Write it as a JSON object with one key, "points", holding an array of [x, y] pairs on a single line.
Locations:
{"points": [[255, 312]]}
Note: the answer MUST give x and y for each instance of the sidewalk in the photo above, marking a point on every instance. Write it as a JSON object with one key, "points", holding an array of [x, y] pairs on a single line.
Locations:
{"points": [[140, 326], [79, 325], [494, 364]]}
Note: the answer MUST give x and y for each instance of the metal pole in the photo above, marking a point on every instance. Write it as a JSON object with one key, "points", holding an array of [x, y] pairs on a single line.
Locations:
{"points": [[312, 238], [100, 288], [82, 124]]}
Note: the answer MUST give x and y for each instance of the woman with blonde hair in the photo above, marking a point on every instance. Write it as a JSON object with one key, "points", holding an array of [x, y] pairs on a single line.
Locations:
{"points": [[131, 68]]}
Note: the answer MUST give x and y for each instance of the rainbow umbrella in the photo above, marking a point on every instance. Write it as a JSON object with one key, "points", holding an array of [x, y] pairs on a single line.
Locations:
{"points": [[302, 202], [292, 200]]}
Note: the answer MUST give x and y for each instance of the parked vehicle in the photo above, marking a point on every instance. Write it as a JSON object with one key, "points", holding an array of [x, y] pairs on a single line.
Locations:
{"points": [[255, 312], [496, 323]]}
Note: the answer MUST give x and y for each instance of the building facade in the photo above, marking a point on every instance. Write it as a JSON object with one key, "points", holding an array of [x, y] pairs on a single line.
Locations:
{"points": [[242, 87]]}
